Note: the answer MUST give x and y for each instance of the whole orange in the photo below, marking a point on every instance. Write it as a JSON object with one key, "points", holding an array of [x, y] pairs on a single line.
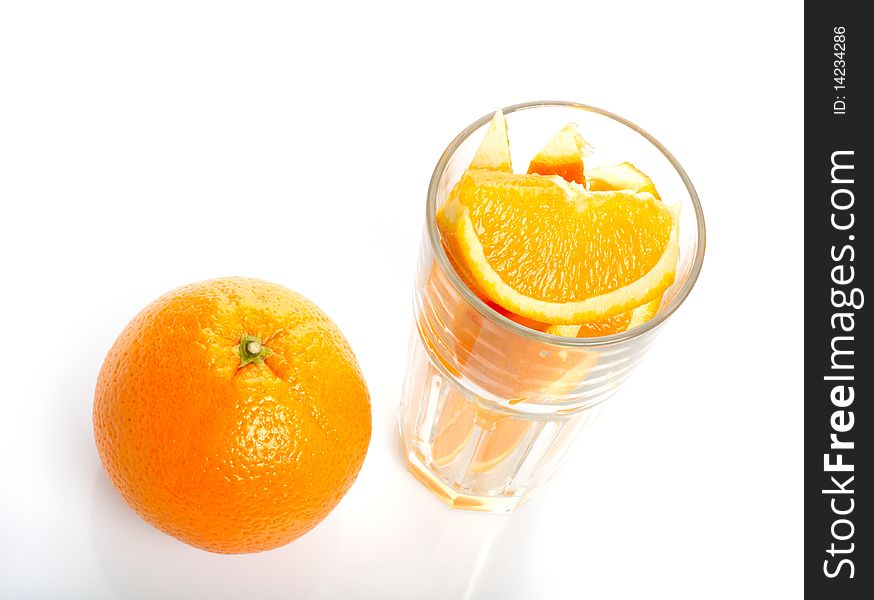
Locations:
{"points": [[232, 414]]}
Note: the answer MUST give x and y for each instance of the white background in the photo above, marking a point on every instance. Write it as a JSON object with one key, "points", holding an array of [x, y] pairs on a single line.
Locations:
{"points": [[147, 145]]}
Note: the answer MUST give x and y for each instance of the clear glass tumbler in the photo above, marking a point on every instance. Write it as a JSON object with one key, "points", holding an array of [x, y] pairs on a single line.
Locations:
{"points": [[489, 407]]}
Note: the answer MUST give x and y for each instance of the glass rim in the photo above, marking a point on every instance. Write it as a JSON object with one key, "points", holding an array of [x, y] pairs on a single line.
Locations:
{"points": [[501, 320]]}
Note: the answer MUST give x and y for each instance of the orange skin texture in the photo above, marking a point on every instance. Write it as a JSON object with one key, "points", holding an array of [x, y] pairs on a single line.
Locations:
{"points": [[230, 459]]}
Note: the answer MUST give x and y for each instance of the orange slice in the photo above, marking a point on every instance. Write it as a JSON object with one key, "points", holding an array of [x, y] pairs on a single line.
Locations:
{"points": [[642, 314], [499, 442], [609, 326], [494, 151], [624, 176], [550, 251], [454, 426], [621, 322], [457, 420], [450, 242], [562, 155], [563, 330], [574, 375]]}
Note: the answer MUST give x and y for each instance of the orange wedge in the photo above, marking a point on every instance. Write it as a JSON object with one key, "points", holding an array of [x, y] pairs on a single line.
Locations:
{"points": [[624, 176], [642, 314], [498, 442], [562, 155], [609, 326], [494, 151], [553, 252], [563, 330], [455, 424], [621, 322]]}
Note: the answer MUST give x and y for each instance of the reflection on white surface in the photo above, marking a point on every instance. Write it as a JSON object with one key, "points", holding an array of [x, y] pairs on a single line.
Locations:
{"points": [[408, 545], [615, 505], [481, 558], [388, 538]]}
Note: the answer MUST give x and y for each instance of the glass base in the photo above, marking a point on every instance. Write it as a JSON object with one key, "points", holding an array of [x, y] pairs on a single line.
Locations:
{"points": [[456, 498]]}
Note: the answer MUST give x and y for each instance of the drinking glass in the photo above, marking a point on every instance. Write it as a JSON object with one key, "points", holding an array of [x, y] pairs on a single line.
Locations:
{"points": [[489, 407]]}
